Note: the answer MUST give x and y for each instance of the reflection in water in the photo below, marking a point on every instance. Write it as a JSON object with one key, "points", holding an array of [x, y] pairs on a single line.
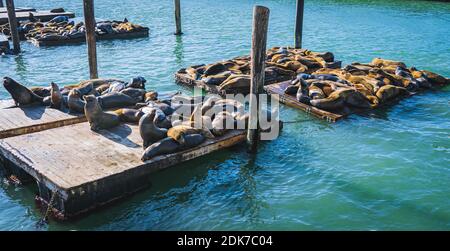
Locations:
{"points": [[21, 66], [179, 50]]}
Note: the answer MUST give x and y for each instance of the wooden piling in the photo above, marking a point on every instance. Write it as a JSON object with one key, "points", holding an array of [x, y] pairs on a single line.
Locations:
{"points": [[13, 25], [89, 22], [258, 58], [177, 17], [299, 24]]}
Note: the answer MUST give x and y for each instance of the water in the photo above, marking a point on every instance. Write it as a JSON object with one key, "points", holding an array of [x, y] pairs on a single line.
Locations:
{"points": [[387, 170]]}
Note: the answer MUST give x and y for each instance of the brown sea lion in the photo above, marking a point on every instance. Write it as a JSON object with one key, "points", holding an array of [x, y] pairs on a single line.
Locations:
{"points": [[128, 115], [235, 82], [41, 91], [136, 93], [57, 99], [214, 69], [164, 146], [435, 78], [21, 94], [387, 63], [179, 132], [97, 118], [115, 100], [150, 96], [74, 101], [150, 132], [335, 101], [389, 92]]}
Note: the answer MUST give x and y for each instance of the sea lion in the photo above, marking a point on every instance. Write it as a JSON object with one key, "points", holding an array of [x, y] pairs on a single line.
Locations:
{"points": [[41, 91], [164, 146], [314, 92], [192, 140], [115, 100], [214, 69], [21, 94], [96, 117], [179, 132], [387, 63], [235, 82], [335, 101], [389, 92], [115, 86], [216, 79], [220, 124], [74, 101], [150, 96], [56, 96], [136, 93], [137, 82], [150, 133], [435, 78], [128, 115]]}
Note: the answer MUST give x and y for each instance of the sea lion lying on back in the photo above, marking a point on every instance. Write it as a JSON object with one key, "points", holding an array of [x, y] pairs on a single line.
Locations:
{"points": [[21, 94], [97, 118]]}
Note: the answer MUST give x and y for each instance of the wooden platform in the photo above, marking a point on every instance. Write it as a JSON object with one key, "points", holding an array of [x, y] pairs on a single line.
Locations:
{"points": [[18, 9], [88, 169], [18, 121], [290, 100], [44, 16], [185, 79], [128, 35]]}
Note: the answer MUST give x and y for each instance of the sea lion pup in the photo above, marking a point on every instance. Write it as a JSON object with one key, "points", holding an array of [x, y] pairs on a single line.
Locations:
{"points": [[128, 115], [21, 94], [389, 92], [115, 100], [179, 132], [56, 99], [74, 101], [136, 93], [150, 133], [97, 118]]}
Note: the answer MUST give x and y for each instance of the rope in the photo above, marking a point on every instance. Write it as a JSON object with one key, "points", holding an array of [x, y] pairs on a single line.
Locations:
{"points": [[43, 221]]}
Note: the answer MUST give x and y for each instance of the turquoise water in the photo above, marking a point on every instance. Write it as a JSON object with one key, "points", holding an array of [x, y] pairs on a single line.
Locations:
{"points": [[387, 170]]}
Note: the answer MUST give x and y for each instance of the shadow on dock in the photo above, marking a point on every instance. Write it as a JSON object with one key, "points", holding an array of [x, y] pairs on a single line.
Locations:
{"points": [[120, 135]]}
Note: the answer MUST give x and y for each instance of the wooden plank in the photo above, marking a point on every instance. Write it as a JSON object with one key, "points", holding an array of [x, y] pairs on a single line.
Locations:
{"points": [[17, 121], [127, 35], [44, 16], [90, 169], [18, 9], [277, 91]]}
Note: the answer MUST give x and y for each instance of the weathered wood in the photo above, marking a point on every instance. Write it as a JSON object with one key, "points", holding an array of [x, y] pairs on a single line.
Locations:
{"points": [[89, 22], [17, 121], [127, 35], [13, 25], [44, 16], [89, 169], [257, 75], [277, 91], [177, 17], [299, 23]]}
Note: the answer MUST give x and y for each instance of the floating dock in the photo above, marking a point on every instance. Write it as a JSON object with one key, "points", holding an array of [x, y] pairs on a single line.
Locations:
{"points": [[277, 91], [127, 35], [81, 169], [18, 121], [18, 9], [44, 16]]}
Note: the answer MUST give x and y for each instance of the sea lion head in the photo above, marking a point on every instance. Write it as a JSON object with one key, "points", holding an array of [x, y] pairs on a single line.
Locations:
{"points": [[54, 86], [89, 98], [9, 83], [137, 82]]}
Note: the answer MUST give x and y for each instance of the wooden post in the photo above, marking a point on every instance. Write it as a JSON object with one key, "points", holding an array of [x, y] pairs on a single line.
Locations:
{"points": [[178, 17], [13, 25], [89, 22], [258, 61], [299, 24]]}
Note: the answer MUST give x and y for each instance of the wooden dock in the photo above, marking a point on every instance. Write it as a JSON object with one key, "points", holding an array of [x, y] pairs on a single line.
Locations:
{"points": [[44, 16], [127, 35], [82, 169], [277, 91], [18, 121], [18, 9]]}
